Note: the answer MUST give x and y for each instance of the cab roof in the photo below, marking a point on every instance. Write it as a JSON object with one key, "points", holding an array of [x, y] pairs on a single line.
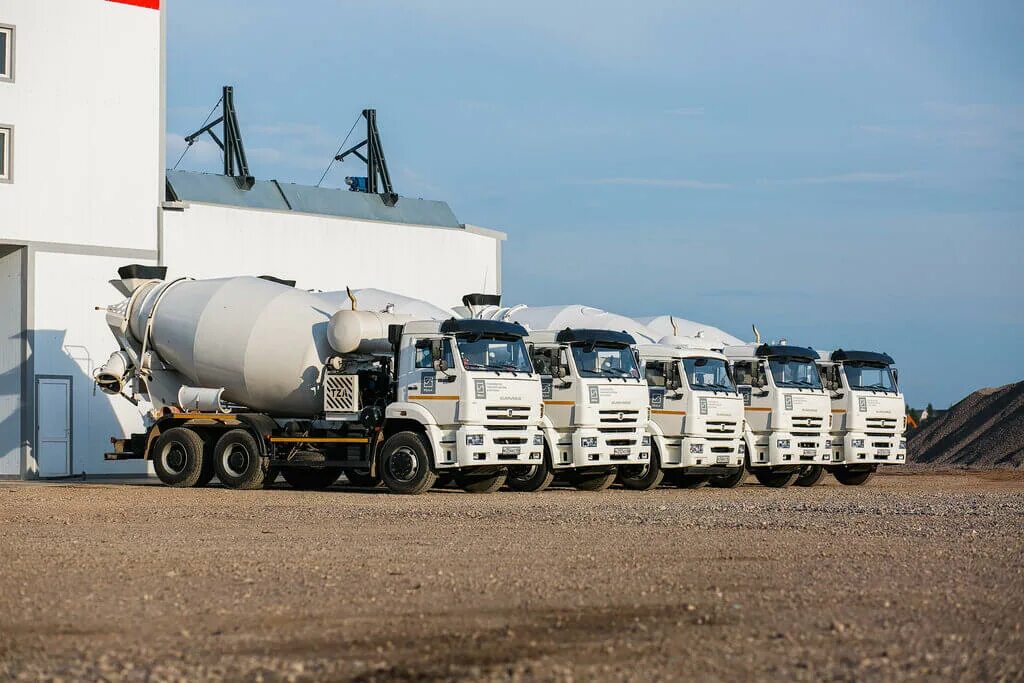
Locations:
{"points": [[862, 357], [771, 351], [476, 326]]}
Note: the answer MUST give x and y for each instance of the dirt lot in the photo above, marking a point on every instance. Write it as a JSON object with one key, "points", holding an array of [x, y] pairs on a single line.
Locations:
{"points": [[907, 577]]}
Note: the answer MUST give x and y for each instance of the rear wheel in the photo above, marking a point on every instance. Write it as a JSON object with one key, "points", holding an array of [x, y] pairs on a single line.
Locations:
{"points": [[177, 456], [729, 481], [686, 481], [775, 479], [593, 481], [310, 479], [851, 477], [530, 478], [643, 477], [362, 478], [486, 482], [809, 475], [405, 464], [238, 461]]}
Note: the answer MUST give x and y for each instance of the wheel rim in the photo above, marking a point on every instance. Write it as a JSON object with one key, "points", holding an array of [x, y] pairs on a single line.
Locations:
{"points": [[235, 460], [173, 458], [403, 465]]}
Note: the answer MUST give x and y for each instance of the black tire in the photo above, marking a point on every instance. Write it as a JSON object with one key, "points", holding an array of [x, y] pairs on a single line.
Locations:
{"points": [[850, 477], [680, 479], [530, 478], [362, 478], [775, 480], [642, 477], [486, 482], [809, 475], [238, 460], [309, 478], [177, 456], [593, 481], [729, 481], [405, 464]]}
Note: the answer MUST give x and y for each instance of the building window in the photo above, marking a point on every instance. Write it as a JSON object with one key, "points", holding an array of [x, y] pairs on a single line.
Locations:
{"points": [[6, 53], [6, 153]]}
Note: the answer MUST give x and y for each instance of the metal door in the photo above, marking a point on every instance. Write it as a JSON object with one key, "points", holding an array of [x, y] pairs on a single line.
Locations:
{"points": [[53, 425]]}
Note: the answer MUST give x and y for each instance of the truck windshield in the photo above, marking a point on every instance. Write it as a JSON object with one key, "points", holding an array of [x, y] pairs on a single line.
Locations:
{"points": [[707, 374], [605, 360], [869, 377], [794, 372], [494, 353]]}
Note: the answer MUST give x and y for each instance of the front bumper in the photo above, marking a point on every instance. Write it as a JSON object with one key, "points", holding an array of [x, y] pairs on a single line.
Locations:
{"points": [[591, 447], [490, 447], [857, 448], [698, 451], [786, 449]]}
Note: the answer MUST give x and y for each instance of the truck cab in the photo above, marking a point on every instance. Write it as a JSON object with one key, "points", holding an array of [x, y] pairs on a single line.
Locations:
{"points": [[696, 425], [787, 411], [595, 408], [868, 413]]}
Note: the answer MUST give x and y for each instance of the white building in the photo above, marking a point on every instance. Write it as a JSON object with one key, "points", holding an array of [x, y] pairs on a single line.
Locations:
{"points": [[83, 191]]}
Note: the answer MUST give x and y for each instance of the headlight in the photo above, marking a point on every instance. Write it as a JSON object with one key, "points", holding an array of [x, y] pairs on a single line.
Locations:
{"points": [[903, 444], [857, 443], [588, 442], [538, 439], [782, 443], [647, 441], [474, 439], [697, 448]]}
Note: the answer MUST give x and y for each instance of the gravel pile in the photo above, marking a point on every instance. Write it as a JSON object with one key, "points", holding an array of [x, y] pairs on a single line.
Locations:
{"points": [[986, 429]]}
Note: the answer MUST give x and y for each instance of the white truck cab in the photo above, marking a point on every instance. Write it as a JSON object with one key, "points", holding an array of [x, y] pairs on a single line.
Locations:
{"points": [[595, 408], [696, 426], [868, 413], [787, 411]]}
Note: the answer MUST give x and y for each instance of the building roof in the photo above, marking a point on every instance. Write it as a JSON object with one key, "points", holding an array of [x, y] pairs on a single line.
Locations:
{"points": [[210, 188]]}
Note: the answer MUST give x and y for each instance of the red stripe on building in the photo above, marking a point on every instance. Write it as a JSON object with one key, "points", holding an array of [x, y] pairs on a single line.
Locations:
{"points": [[148, 4]]}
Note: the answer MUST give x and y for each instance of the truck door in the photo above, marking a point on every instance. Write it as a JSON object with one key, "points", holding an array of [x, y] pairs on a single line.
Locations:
{"points": [[752, 383], [558, 390], [431, 379], [668, 409]]}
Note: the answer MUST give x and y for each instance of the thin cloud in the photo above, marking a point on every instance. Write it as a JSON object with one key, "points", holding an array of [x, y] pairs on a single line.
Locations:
{"points": [[680, 183], [860, 177]]}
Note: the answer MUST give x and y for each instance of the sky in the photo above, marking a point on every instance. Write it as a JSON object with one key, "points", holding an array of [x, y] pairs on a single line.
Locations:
{"points": [[842, 174]]}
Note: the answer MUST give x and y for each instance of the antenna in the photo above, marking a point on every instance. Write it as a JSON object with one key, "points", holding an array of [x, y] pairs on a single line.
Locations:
{"points": [[377, 180], [234, 151]]}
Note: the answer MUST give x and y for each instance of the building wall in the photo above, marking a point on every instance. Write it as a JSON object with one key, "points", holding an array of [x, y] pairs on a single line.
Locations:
{"points": [[12, 354], [85, 107], [328, 253]]}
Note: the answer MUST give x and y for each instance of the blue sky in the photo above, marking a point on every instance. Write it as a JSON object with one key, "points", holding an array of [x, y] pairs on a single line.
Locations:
{"points": [[842, 174]]}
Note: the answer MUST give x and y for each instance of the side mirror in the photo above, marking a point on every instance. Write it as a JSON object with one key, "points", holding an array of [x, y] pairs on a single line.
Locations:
{"points": [[838, 395], [441, 365], [559, 371], [762, 393]]}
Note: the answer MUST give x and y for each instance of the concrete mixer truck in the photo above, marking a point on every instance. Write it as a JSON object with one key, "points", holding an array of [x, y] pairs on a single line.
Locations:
{"points": [[868, 413], [246, 378]]}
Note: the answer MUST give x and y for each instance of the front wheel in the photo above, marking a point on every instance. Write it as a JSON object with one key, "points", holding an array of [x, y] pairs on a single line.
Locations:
{"points": [[850, 477], [774, 479], [729, 481], [809, 475], [487, 482], [530, 478], [593, 481], [643, 477], [405, 464], [238, 461], [310, 479]]}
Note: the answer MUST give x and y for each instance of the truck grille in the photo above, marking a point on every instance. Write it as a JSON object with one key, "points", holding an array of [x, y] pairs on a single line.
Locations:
{"points": [[619, 416], [881, 426], [508, 413], [620, 442], [721, 427], [510, 440], [808, 422]]}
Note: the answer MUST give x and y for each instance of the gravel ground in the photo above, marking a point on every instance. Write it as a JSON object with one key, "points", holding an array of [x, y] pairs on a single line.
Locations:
{"points": [[906, 577]]}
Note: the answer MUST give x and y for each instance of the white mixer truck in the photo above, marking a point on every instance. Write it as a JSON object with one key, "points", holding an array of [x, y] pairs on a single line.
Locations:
{"points": [[868, 413], [243, 378], [787, 411]]}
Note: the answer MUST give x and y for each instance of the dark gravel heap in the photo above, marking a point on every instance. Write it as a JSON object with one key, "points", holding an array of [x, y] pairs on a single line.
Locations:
{"points": [[986, 429]]}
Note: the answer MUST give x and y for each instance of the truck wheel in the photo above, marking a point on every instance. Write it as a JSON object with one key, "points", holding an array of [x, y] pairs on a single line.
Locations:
{"points": [[642, 477], [405, 464], [530, 478], [851, 477], [238, 460], [729, 481], [177, 456], [362, 478], [310, 479], [593, 481], [475, 482], [809, 475], [683, 480], [776, 480]]}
